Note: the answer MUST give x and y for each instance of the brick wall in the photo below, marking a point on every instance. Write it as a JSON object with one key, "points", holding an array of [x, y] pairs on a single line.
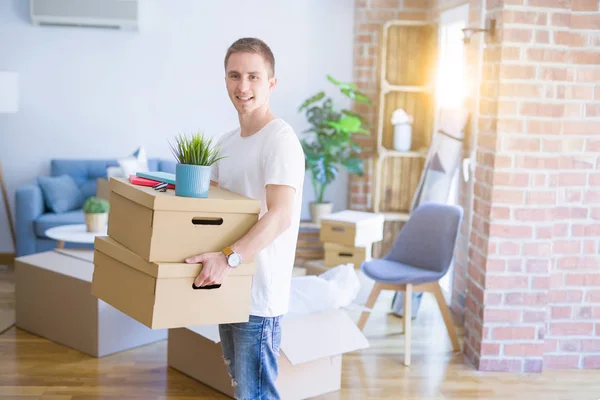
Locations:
{"points": [[527, 269]]}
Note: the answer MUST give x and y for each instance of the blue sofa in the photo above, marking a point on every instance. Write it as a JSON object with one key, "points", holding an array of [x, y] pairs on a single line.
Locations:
{"points": [[33, 218]]}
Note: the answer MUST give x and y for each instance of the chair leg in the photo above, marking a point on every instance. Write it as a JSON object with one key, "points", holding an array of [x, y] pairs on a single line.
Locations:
{"points": [[364, 316], [439, 296], [407, 322]]}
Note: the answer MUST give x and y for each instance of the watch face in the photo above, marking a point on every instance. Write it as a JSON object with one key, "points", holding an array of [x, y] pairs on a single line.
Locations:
{"points": [[234, 259]]}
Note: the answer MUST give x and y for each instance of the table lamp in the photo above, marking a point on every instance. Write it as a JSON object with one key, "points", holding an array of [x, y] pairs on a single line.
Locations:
{"points": [[9, 104]]}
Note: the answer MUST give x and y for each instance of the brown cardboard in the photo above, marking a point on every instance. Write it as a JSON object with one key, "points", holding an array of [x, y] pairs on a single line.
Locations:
{"points": [[337, 254], [162, 227], [160, 295], [53, 300], [102, 189], [310, 362], [352, 228]]}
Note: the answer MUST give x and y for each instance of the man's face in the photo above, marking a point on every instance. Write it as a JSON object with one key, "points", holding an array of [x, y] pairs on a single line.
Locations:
{"points": [[248, 82]]}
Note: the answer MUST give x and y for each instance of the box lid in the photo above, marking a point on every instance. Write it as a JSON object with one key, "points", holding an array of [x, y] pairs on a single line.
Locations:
{"points": [[218, 200], [62, 263], [340, 247], [111, 248], [351, 218], [310, 337]]}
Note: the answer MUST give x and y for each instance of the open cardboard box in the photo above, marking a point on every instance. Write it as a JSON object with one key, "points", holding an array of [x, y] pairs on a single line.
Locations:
{"points": [[163, 227], [352, 228], [53, 300], [310, 362], [160, 295]]}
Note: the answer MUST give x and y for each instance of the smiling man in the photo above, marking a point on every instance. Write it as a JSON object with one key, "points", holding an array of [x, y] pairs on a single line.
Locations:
{"points": [[263, 160]]}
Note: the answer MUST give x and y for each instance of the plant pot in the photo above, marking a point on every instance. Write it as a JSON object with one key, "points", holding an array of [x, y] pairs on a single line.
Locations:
{"points": [[96, 222], [192, 180], [319, 210]]}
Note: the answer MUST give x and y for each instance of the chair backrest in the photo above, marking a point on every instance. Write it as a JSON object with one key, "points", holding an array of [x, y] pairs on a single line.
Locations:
{"points": [[428, 238]]}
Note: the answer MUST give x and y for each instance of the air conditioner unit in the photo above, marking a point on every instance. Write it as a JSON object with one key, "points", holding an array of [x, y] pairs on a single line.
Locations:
{"points": [[111, 14]]}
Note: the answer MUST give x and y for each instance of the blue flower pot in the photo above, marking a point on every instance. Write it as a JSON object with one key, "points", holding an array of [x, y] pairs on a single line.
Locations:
{"points": [[192, 180]]}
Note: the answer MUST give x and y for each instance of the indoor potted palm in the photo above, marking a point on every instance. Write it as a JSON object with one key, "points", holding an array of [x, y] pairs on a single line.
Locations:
{"points": [[95, 211], [328, 144], [195, 156]]}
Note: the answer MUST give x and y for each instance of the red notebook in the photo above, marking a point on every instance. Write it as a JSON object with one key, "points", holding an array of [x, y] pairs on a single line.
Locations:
{"points": [[136, 180]]}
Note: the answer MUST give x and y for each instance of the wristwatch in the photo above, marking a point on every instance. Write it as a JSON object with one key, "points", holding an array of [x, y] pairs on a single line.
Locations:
{"points": [[233, 258]]}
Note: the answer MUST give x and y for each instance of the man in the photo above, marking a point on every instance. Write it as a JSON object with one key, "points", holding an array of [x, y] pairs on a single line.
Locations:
{"points": [[264, 160]]}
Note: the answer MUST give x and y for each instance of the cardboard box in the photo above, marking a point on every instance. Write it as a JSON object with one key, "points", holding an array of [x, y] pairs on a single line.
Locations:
{"points": [[103, 189], [162, 227], [310, 362], [160, 295], [53, 300], [352, 228], [337, 254]]}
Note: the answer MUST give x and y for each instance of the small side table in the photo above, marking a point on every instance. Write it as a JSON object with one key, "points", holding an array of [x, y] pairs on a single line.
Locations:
{"points": [[72, 233]]}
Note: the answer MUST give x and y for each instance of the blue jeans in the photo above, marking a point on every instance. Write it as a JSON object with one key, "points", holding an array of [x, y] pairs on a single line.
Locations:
{"points": [[250, 350]]}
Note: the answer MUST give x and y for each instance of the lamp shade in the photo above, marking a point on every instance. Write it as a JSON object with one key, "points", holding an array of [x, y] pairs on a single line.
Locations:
{"points": [[9, 92]]}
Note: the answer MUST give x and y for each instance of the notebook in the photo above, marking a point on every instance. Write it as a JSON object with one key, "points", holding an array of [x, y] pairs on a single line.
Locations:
{"points": [[158, 176]]}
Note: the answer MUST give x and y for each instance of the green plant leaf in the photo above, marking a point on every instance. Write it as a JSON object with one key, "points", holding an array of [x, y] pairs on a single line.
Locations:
{"points": [[311, 100], [357, 96], [343, 85], [195, 150]]}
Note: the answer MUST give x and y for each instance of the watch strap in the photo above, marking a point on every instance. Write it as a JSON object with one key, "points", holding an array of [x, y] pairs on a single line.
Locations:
{"points": [[227, 251]]}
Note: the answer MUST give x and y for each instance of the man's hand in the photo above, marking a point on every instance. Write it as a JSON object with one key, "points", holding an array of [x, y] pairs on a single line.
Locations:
{"points": [[214, 268]]}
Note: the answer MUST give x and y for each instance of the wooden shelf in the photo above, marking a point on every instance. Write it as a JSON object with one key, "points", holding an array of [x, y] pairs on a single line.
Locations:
{"points": [[307, 224], [396, 216]]}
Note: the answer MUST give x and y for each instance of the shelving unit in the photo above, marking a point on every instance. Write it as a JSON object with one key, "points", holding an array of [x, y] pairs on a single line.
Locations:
{"points": [[405, 80]]}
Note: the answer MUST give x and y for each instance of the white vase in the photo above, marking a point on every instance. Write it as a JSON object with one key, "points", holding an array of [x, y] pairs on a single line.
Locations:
{"points": [[319, 210], [402, 137], [96, 222]]}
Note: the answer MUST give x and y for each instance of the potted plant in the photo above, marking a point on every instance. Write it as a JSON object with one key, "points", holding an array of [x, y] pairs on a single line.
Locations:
{"points": [[328, 145], [195, 156], [96, 210]]}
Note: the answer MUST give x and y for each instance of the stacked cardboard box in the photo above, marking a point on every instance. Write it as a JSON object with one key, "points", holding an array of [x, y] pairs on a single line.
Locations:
{"points": [[348, 236], [140, 266]]}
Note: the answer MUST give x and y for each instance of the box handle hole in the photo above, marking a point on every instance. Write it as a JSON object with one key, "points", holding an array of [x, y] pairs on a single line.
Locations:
{"points": [[337, 229], [207, 221], [345, 254]]}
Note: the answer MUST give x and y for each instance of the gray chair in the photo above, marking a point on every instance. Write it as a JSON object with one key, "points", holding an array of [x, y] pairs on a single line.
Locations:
{"points": [[419, 258]]}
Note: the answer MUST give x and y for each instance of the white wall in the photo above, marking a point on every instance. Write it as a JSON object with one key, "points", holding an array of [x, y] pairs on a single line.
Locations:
{"points": [[91, 93]]}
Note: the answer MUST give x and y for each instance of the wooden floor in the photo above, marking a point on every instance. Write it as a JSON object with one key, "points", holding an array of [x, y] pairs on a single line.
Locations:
{"points": [[34, 368]]}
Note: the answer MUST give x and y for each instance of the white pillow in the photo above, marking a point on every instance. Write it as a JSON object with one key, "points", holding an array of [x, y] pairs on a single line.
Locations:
{"points": [[114, 172], [132, 164]]}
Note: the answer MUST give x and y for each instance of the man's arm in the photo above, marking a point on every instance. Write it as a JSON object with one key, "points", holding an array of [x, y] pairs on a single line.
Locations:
{"points": [[280, 203]]}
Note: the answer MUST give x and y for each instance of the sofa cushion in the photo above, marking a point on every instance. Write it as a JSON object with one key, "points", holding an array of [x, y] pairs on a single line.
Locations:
{"points": [[50, 220], [61, 193]]}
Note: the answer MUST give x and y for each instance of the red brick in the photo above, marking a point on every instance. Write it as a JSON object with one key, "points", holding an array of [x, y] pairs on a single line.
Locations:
{"points": [[581, 127], [503, 365], [569, 179], [525, 299], [560, 19], [534, 316], [499, 212], [533, 214], [564, 4], [585, 21], [586, 230], [541, 197], [414, 4], [524, 349], [511, 231], [557, 279], [566, 295], [591, 362], [590, 345], [490, 349], [543, 232], [509, 249], [413, 15], [513, 333], [591, 279], [592, 197], [570, 38], [524, 17], [501, 315], [560, 361], [505, 282], [569, 346], [514, 35], [584, 5], [592, 110], [517, 72], [542, 36], [560, 230], [507, 196], [554, 74], [515, 265], [543, 127], [577, 262], [511, 179], [584, 57], [546, 55], [380, 15], [570, 212], [562, 312], [493, 299], [538, 266], [590, 75], [566, 247], [593, 296], [495, 265], [510, 53], [570, 196], [536, 249], [540, 282], [571, 328]]}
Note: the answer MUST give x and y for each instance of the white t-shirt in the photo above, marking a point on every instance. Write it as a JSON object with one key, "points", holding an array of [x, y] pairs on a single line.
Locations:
{"points": [[272, 155]]}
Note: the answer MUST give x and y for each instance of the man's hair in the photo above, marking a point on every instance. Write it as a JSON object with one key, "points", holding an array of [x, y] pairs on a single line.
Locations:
{"points": [[252, 45]]}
